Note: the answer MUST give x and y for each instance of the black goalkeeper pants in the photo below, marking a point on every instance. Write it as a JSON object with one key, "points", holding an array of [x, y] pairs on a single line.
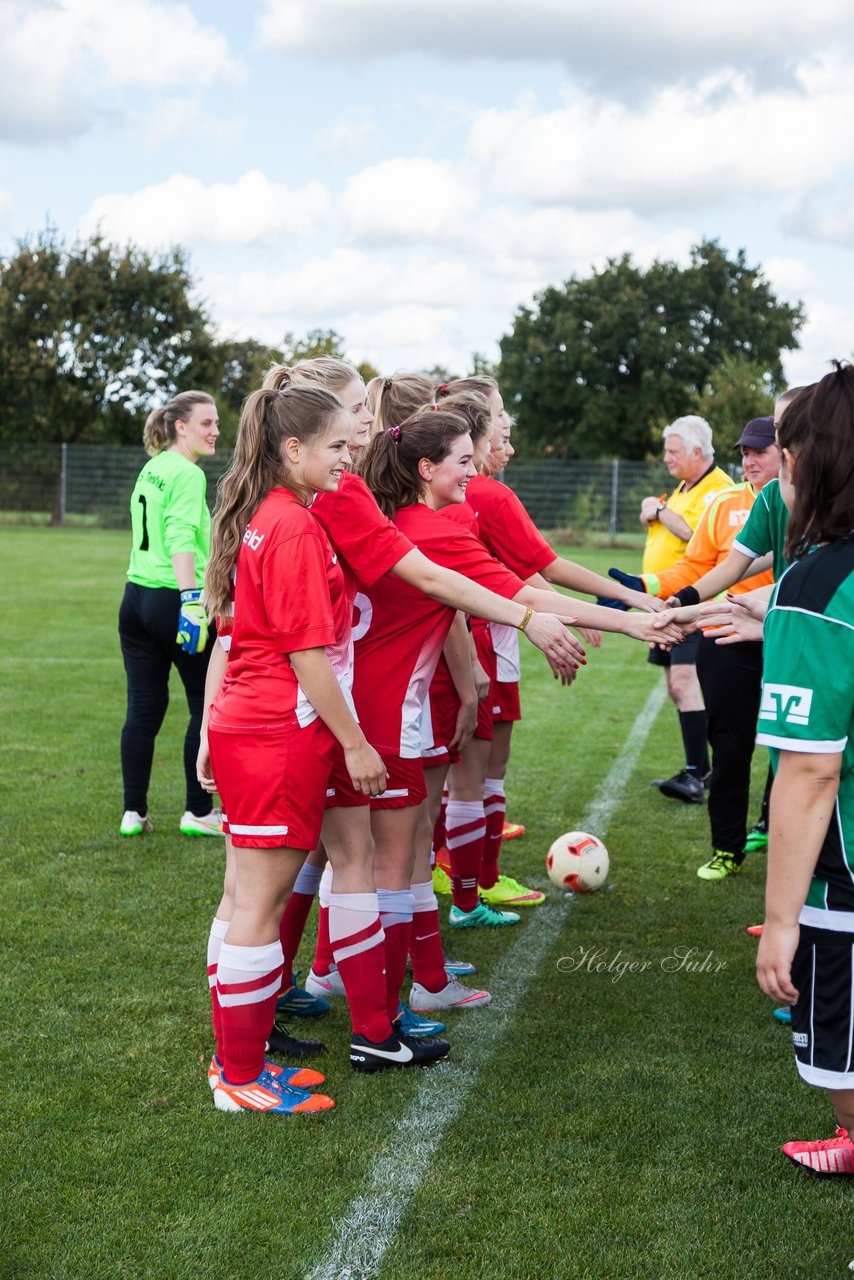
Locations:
{"points": [[148, 625], [731, 679]]}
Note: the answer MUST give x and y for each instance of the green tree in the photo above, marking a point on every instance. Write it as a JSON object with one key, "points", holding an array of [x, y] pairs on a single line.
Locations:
{"points": [[599, 365], [91, 336], [738, 390]]}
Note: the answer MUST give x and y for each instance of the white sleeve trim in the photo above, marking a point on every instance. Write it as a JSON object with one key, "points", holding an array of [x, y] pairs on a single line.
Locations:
{"points": [[225, 641], [746, 551], [798, 744]]}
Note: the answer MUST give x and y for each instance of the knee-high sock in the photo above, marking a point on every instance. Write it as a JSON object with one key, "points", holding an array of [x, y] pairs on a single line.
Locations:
{"points": [[466, 830], [358, 951], [425, 943], [219, 928], [494, 807], [247, 981], [396, 914], [694, 726], [323, 958], [296, 915]]}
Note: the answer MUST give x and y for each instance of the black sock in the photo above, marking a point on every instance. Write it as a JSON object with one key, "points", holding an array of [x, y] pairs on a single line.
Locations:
{"points": [[693, 726]]}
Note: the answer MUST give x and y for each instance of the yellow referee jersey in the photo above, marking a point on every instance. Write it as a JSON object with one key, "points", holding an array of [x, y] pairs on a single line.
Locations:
{"points": [[663, 548]]}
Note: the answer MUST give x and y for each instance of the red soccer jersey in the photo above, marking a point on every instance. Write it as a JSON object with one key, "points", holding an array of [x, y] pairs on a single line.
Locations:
{"points": [[506, 529], [289, 594], [399, 632], [366, 540]]}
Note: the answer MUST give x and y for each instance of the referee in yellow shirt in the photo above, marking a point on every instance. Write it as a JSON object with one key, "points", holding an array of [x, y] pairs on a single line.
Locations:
{"points": [[670, 521]]}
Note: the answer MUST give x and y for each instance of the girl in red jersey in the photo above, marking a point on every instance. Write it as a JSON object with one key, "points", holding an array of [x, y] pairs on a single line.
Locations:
{"points": [[368, 544], [413, 470], [281, 708]]}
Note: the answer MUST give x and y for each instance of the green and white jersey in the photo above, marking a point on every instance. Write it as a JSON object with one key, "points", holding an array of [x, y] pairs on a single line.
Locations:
{"points": [[766, 527], [808, 705], [168, 515]]}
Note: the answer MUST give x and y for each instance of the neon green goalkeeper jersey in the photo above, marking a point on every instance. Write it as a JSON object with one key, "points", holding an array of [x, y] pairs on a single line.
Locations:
{"points": [[169, 515]]}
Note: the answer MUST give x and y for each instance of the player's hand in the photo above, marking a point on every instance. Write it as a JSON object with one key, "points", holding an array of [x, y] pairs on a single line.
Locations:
{"points": [[631, 580], [685, 616], [465, 726], [549, 633], [753, 603], [657, 628], [481, 680], [726, 622], [366, 769], [774, 961], [192, 623], [203, 766], [591, 637], [642, 600]]}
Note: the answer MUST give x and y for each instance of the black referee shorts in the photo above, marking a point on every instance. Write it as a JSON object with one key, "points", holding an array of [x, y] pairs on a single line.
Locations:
{"points": [[823, 1018], [681, 655]]}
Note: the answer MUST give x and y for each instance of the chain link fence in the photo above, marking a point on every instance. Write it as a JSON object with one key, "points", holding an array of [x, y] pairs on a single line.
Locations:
{"points": [[91, 484]]}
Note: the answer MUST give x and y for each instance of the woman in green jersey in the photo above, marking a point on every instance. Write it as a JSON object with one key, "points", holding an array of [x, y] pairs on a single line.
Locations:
{"points": [[162, 620], [806, 955]]}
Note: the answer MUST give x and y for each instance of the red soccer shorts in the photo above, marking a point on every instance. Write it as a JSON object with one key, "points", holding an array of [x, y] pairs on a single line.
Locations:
{"points": [[404, 789], [272, 785]]}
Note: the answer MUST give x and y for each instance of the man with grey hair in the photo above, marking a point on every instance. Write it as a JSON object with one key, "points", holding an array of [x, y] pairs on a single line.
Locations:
{"points": [[669, 522]]}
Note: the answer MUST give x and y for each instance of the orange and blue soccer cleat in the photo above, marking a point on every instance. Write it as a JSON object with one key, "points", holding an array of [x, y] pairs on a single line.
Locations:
{"points": [[267, 1095], [827, 1158], [299, 1077], [512, 830]]}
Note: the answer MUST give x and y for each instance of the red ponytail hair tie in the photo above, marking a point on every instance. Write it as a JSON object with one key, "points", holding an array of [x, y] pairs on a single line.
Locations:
{"points": [[394, 432], [443, 389]]}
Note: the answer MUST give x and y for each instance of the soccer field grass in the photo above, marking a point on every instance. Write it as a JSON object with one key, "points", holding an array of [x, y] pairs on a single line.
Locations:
{"points": [[612, 1125]]}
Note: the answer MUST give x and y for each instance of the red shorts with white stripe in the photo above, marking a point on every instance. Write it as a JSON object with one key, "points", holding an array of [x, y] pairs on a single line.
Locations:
{"points": [[404, 789], [272, 785], [486, 657], [441, 709], [505, 703]]}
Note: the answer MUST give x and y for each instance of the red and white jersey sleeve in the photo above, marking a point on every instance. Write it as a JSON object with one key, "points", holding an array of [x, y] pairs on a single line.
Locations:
{"points": [[399, 632], [506, 529], [289, 594], [366, 541]]}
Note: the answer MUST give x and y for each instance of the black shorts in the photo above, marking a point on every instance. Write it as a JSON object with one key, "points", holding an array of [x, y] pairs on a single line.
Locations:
{"points": [[681, 655], [823, 1019]]}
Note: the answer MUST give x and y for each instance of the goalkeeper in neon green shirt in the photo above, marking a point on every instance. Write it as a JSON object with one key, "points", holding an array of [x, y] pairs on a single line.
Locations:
{"points": [[162, 618]]}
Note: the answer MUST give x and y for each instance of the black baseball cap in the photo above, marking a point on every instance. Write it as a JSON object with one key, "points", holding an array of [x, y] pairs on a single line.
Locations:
{"points": [[758, 434]]}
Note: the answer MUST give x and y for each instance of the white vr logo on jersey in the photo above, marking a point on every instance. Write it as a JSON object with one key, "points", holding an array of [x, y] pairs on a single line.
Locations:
{"points": [[786, 702]]}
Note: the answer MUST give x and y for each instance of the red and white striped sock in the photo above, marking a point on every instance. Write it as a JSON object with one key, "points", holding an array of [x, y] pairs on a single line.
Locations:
{"points": [[247, 983], [219, 928], [425, 943], [323, 958], [466, 830], [296, 915], [495, 808], [359, 952], [396, 915]]}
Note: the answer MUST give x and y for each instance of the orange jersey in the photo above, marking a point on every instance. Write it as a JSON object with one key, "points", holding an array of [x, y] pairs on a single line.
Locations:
{"points": [[710, 544]]}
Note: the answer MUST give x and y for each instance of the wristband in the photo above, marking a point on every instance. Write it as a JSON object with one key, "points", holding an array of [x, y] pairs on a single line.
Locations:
{"points": [[687, 595], [529, 613]]}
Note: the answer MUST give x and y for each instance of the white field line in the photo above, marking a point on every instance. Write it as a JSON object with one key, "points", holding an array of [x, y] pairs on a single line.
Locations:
{"points": [[370, 1224]]}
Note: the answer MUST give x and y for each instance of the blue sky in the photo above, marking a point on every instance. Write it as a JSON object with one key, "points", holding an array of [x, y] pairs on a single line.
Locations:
{"points": [[409, 173]]}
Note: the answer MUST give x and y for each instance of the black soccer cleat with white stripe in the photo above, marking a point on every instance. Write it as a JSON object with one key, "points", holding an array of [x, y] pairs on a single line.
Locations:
{"points": [[397, 1051]]}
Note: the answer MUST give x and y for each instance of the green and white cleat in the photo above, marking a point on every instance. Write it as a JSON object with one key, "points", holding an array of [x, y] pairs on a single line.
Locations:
{"points": [[209, 825], [482, 917], [720, 866], [135, 824]]}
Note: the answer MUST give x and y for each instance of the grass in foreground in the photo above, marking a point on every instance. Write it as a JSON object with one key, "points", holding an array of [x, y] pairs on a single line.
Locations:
{"points": [[626, 1127]]}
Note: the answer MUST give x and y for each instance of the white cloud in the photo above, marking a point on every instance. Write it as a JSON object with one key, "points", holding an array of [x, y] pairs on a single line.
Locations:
{"points": [[183, 210], [346, 137], [57, 54], [685, 147], [827, 335], [184, 117], [616, 42], [406, 199]]}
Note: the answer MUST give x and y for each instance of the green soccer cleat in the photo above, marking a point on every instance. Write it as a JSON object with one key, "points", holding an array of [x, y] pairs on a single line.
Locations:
{"points": [[507, 892], [135, 824], [482, 917], [441, 880], [757, 838], [208, 825], [719, 867]]}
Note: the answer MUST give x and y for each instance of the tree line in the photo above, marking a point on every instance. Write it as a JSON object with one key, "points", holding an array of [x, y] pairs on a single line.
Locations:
{"points": [[92, 335]]}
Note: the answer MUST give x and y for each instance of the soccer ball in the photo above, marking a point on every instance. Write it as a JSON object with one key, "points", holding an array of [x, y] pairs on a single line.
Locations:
{"points": [[578, 861]]}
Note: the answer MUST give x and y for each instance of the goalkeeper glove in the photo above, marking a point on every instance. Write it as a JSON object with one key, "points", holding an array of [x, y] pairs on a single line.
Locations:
{"points": [[608, 602], [192, 623], [630, 580]]}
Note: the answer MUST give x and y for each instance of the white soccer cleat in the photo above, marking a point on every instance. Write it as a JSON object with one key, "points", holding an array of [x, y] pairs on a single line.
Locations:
{"points": [[325, 984], [209, 825], [453, 996], [135, 824]]}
